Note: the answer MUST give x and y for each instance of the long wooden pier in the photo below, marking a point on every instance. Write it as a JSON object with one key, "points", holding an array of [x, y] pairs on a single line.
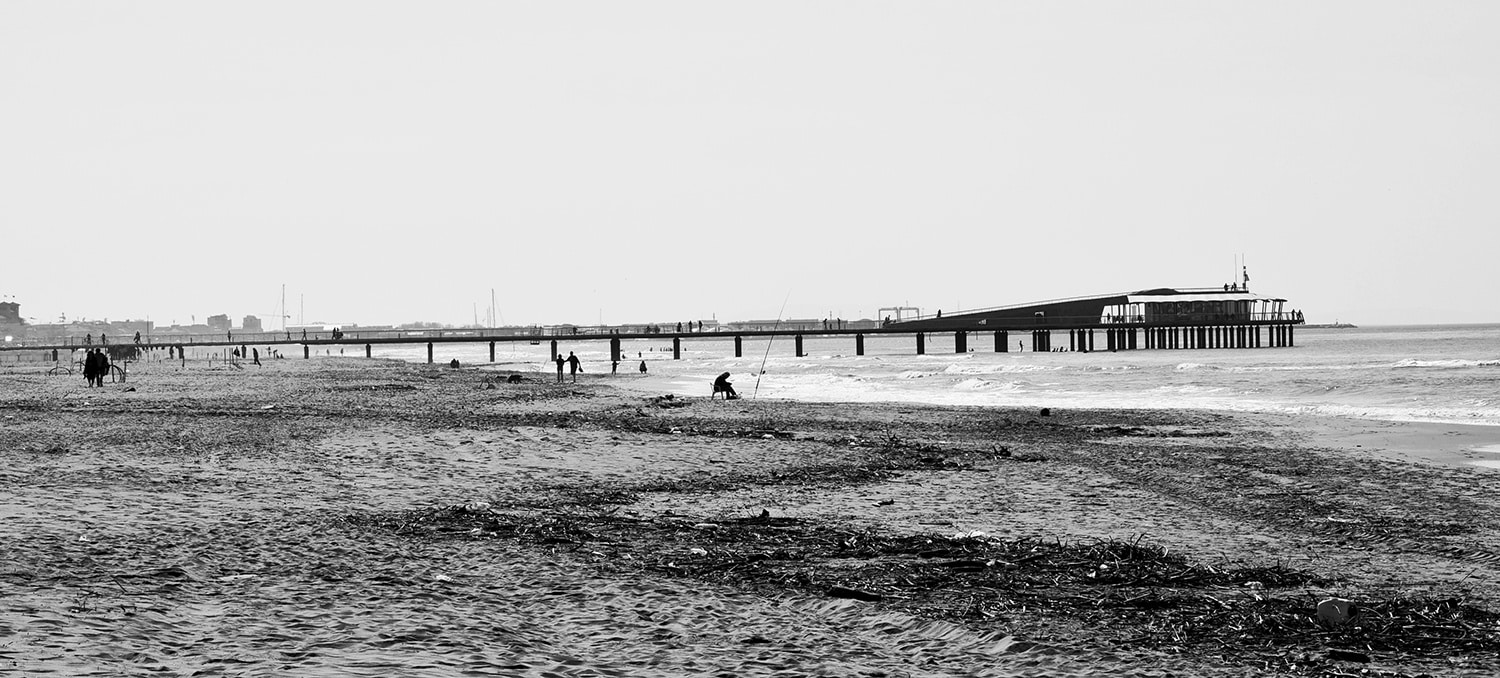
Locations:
{"points": [[1081, 337]]}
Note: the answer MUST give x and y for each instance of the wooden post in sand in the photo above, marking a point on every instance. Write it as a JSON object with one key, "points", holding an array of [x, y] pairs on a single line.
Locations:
{"points": [[553, 355], [429, 353], [677, 348], [799, 345], [859, 343], [492, 351], [367, 350], [921, 344], [739, 349], [614, 350], [306, 352]]}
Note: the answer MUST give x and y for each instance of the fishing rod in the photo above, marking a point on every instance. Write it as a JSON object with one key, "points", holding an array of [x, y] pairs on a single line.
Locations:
{"points": [[772, 340]]}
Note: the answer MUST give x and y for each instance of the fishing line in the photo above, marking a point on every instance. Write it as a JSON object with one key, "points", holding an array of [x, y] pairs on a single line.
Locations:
{"points": [[768, 344]]}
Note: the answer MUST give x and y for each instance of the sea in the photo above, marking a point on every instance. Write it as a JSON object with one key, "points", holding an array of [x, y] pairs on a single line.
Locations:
{"points": [[1419, 373]]}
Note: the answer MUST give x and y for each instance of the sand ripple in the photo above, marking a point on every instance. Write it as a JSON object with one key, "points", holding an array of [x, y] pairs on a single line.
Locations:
{"points": [[125, 563]]}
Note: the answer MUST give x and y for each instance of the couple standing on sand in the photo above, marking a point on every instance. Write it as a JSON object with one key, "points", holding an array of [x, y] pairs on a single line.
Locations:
{"points": [[573, 366], [95, 366]]}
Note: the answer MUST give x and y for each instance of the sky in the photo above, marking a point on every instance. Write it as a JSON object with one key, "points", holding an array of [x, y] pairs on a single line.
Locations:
{"points": [[624, 162]]}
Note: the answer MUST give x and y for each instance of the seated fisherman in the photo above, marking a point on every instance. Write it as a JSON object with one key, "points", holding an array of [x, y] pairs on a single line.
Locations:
{"points": [[722, 385]]}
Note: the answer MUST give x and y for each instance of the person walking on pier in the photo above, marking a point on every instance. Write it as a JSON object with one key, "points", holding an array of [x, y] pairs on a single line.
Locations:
{"points": [[573, 366], [560, 362]]}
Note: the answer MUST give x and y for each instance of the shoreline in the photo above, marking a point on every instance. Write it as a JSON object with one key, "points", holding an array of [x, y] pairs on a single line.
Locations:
{"points": [[1451, 443], [348, 499]]}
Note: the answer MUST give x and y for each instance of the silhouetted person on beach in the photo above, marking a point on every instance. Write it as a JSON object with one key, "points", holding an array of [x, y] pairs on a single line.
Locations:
{"points": [[722, 385], [643, 367], [88, 339], [614, 367], [137, 337], [90, 365], [256, 352], [103, 369], [560, 362], [573, 366]]}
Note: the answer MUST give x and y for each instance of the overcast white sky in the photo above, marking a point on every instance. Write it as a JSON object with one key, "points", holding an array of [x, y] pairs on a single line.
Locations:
{"points": [[665, 161]]}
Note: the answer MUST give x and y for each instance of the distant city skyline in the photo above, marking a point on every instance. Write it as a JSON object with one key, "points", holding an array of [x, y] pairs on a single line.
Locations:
{"points": [[608, 163]]}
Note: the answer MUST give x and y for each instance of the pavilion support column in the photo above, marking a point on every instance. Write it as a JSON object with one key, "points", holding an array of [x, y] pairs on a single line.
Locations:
{"points": [[306, 352], [677, 348], [1073, 340], [921, 344], [799, 345], [614, 350], [960, 342], [739, 346], [1002, 341], [429, 353], [492, 351], [554, 352], [367, 352], [859, 344]]}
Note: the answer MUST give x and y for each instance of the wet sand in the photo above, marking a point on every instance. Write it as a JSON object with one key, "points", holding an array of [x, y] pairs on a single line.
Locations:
{"points": [[363, 517]]}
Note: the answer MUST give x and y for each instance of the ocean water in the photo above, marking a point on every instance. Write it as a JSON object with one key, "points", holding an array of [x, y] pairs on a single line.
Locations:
{"points": [[1442, 373]]}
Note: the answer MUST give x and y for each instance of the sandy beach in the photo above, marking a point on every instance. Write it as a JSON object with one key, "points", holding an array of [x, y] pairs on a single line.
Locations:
{"points": [[345, 517]]}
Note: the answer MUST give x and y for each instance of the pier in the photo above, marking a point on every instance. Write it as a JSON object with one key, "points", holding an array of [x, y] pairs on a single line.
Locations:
{"points": [[1158, 319], [1082, 339]]}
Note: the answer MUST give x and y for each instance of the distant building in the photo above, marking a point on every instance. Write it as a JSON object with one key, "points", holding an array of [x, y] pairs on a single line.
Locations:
{"points": [[219, 322], [250, 324], [10, 313]]}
